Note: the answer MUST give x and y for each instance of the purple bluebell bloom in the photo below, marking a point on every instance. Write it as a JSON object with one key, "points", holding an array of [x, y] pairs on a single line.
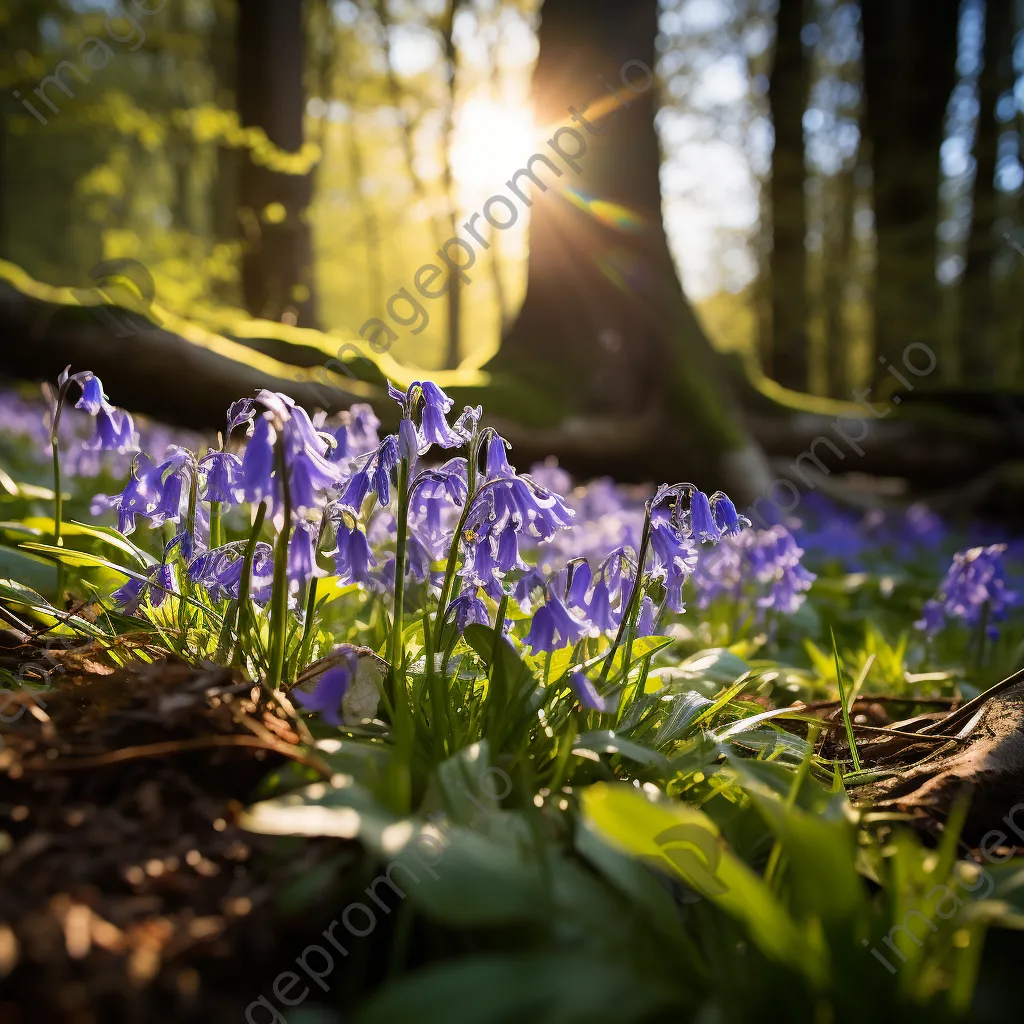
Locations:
{"points": [[302, 552], [645, 624], [383, 462], [586, 693], [258, 462], [675, 554], [115, 432], [974, 589], [469, 609], [92, 399], [352, 557], [222, 473], [554, 627], [330, 689], [702, 521], [726, 518]]}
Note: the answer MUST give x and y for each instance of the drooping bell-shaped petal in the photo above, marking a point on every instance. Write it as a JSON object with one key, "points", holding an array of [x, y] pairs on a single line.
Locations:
{"points": [[469, 609], [408, 442], [355, 492], [553, 627], [586, 693], [222, 472], [330, 690], [302, 552], [258, 463], [115, 432], [434, 429], [726, 518], [129, 595], [497, 459], [240, 412], [580, 586], [600, 612], [702, 522], [92, 400], [352, 557], [645, 624], [164, 582]]}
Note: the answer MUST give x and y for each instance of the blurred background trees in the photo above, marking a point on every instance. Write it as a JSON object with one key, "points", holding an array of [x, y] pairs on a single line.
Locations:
{"points": [[835, 179]]}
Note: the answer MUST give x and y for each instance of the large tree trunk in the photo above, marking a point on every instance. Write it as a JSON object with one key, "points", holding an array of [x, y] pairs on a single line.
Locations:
{"points": [[277, 268], [605, 330], [979, 343], [787, 93], [909, 74]]}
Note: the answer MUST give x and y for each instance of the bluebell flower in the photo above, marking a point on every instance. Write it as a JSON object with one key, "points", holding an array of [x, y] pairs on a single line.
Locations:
{"points": [[408, 442], [115, 432], [222, 473], [302, 552], [330, 689], [433, 427], [675, 554], [356, 490], [586, 693], [258, 462], [92, 400], [384, 462], [352, 557], [702, 521], [219, 570], [599, 609], [469, 609], [974, 589], [726, 518], [505, 509], [528, 589], [579, 585], [239, 413], [129, 595], [554, 627], [645, 623]]}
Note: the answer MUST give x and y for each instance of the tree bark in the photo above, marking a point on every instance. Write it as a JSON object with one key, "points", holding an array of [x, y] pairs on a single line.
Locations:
{"points": [[979, 344], [788, 89], [605, 329], [909, 74], [277, 267]]}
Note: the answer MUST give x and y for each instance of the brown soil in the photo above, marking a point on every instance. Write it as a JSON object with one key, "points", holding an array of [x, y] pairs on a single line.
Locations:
{"points": [[127, 890]]}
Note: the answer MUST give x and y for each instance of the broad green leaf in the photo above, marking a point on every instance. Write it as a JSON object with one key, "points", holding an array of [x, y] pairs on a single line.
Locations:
{"points": [[605, 741], [685, 842]]}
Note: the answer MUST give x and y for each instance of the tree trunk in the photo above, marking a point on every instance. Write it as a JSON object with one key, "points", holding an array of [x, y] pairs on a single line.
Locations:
{"points": [[909, 74], [979, 345], [452, 354], [605, 329], [277, 267], [787, 93]]}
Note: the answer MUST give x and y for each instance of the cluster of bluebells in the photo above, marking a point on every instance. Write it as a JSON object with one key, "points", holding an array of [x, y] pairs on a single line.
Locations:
{"points": [[103, 439], [764, 563], [974, 592], [570, 558]]}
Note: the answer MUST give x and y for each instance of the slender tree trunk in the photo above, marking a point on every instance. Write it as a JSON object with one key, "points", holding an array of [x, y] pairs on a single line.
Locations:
{"points": [[788, 90], [838, 270], [605, 329], [979, 343], [909, 74], [452, 346], [277, 267]]}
